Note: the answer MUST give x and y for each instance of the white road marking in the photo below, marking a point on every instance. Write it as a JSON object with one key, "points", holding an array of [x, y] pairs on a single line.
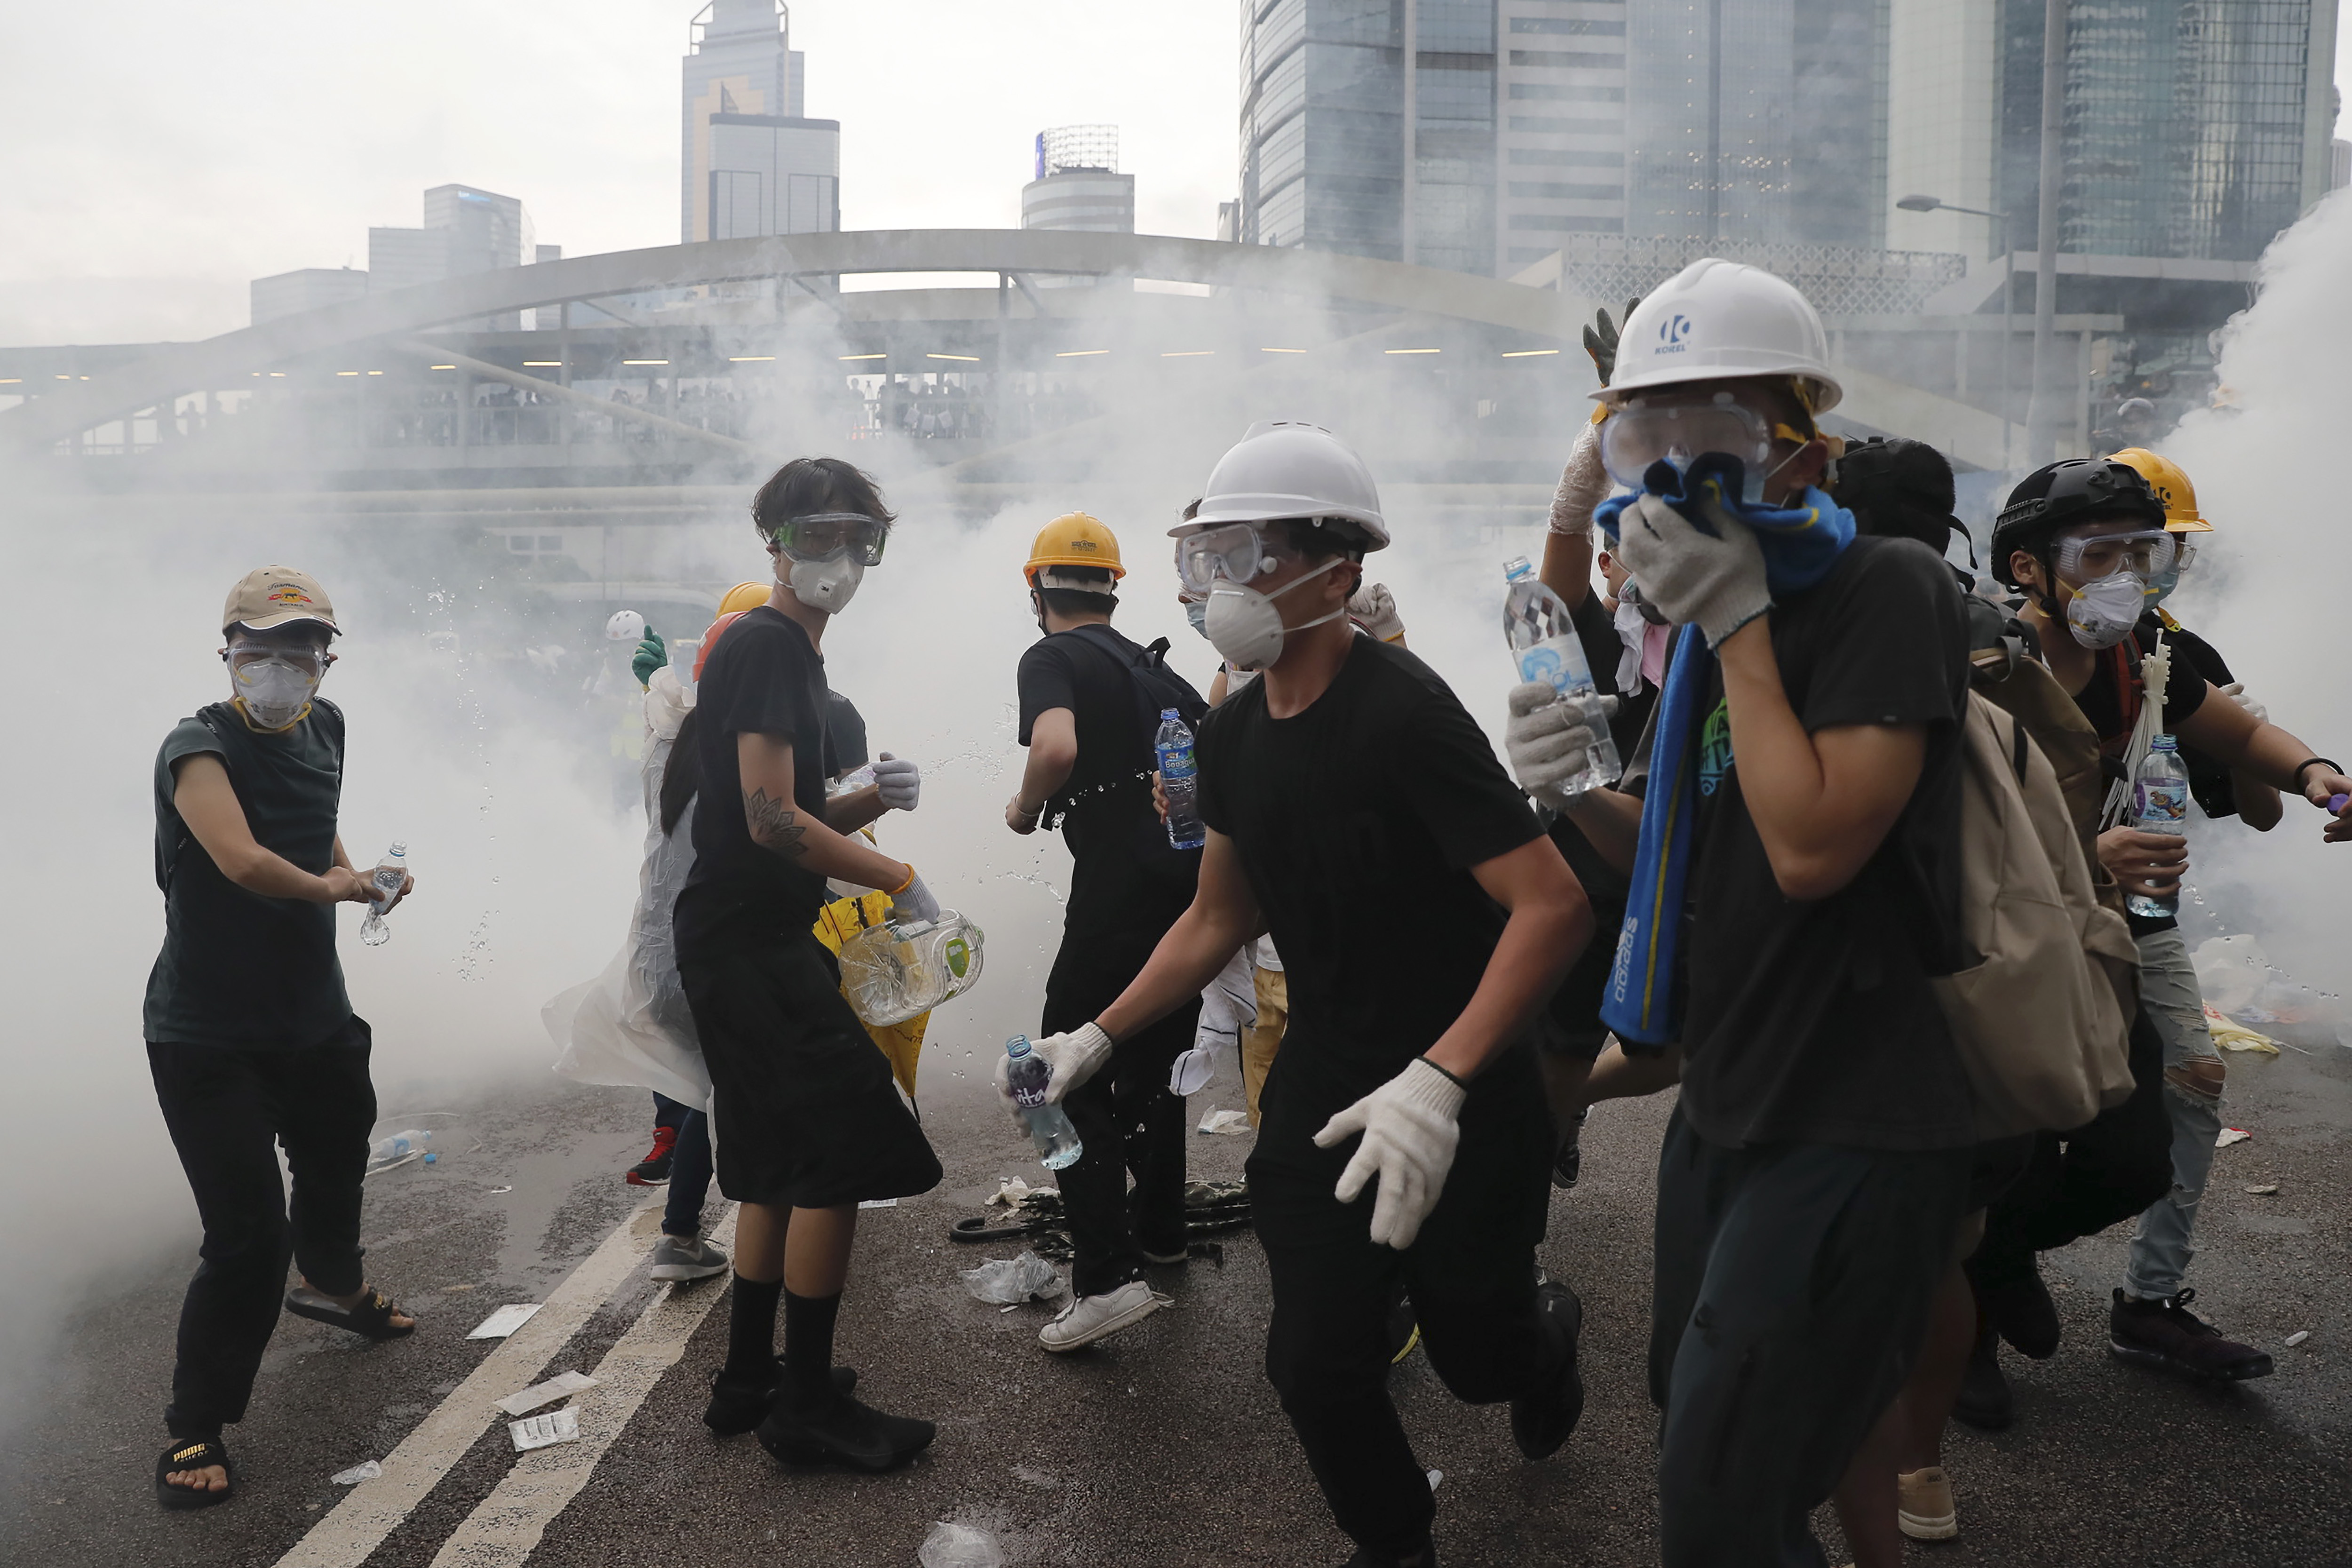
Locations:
{"points": [[345, 1538], [505, 1528]]}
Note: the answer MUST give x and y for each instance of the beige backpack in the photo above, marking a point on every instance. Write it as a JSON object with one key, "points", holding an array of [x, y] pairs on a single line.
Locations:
{"points": [[2043, 1016]]}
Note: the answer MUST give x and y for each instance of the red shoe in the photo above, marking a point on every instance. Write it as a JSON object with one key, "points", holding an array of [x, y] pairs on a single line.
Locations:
{"points": [[652, 1171]]}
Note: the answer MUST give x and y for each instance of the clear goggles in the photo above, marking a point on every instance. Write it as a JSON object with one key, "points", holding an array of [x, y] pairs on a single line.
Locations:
{"points": [[2146, 553], [1235, 551], [826, 536], [244, 659], [1640, 434]]}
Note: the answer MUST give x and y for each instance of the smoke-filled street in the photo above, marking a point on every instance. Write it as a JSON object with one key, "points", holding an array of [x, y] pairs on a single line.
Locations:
{"points": [[1164, 1447]]}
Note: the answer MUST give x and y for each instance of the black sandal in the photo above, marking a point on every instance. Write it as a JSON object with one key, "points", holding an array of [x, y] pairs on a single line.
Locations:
{"points": [[195, 1454], [372, 1318]]}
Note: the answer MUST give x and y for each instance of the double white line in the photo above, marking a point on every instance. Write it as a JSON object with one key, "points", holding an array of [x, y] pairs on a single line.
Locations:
{"points": [[507, 1525]]}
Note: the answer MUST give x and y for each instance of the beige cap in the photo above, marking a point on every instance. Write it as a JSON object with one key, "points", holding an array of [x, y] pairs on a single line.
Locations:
{"points": [[275, 595]]}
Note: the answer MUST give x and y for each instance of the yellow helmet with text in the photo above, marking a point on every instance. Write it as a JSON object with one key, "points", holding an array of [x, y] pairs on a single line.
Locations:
{"points": [[2171, 487], [1074, 539], [745, 596]]}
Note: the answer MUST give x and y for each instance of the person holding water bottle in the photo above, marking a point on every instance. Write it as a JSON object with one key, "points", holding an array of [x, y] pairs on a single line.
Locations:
{"points": [[251, 866], [1347, 794], [1099, 714]]}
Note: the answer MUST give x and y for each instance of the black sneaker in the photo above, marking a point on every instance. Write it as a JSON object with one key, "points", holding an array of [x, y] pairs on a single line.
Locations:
{"points": [[2024, 1313], [1542, 1417], [1984, 1401], [652, 1171], [737, 1404], [845, 1433], [1569, 1163], [2165, 1334]]}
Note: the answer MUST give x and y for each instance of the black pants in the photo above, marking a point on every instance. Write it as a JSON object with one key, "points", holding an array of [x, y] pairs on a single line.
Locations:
{"points": [[2079, 1183], [689, 1166], [1791, 1294], [1126, 1119], [226, 1110], [1471, 1276]]}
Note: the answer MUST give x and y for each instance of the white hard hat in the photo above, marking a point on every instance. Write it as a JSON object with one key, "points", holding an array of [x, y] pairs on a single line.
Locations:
{"points": [[1288, 468], [626, 625], [1715, 320]]}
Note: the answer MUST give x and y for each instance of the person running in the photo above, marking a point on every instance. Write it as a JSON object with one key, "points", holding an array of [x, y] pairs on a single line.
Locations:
{"points": [[1348, 794], [1090, 704], [806, 1121], [1800, 800], [251, 865]]}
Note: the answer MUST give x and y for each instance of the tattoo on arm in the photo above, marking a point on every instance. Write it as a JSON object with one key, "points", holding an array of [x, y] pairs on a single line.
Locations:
{"points": [[773, 825]]}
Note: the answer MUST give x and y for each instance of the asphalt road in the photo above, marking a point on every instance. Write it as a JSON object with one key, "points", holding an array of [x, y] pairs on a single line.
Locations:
{"points": [[1164, 1447]]}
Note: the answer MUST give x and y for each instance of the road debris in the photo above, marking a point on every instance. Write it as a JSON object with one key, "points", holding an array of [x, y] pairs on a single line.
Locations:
{"points": [[366, 1472], [960, 1546], [1012, 1281], [505, 1321], [560, 1386], [544, 1431], [2231, 1135]]}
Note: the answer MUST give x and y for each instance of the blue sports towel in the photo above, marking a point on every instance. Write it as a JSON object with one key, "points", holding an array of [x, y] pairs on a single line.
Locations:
{"points": [[1801, 545]]}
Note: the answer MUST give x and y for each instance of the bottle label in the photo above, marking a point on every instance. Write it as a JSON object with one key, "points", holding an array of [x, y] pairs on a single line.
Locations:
{"points": [[958, 954], [1028, 1098], [2161, 804], [1543, 663], [1176, 762]]}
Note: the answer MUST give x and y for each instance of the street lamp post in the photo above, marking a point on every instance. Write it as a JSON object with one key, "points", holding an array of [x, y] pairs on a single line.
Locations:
{"points": [[1915, 204]]}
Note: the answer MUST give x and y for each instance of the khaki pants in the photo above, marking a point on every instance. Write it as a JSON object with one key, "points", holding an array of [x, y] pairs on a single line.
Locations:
{"points": [[1263, 1038]]}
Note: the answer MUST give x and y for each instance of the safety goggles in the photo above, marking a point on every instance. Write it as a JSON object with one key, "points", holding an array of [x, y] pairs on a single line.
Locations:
{"points": [[1641, 433], [245, 659], [1235, 551], [825, 536], [2146, 553]]}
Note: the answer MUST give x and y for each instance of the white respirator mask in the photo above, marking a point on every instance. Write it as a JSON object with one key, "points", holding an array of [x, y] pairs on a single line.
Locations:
{"points": [[827, 585], [1244, 625], [2102, 612], [274, 691]]}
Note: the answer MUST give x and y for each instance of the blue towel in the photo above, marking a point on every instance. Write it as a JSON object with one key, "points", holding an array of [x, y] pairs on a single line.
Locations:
{"points": [[1801, 543]]}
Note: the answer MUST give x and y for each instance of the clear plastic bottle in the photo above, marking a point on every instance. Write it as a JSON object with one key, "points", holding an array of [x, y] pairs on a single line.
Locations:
{"points": [[1545, 648], [398, 1147], [893, 973], [2159, 805], [385, 880], [1049, 1125], [1178, 778]]}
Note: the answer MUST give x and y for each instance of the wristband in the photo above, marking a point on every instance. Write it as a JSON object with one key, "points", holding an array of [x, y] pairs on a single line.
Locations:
{"points": [[902, 886], [2330, 763]]}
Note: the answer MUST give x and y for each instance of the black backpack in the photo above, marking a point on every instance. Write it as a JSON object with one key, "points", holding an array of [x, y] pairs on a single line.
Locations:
{"points": [[1156, 690]]}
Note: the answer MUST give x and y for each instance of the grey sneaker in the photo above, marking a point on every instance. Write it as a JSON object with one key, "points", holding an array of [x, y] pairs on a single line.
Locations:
{"points": [[679, 1258], [1091, 1318]]}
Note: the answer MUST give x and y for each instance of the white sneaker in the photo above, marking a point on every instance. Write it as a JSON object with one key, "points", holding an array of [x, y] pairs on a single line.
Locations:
{"points": [[1091, 1318], [679, 1258]]}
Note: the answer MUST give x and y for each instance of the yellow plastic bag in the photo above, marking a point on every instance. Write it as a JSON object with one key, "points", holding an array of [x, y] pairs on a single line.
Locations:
{"points": [[901, 1043]]}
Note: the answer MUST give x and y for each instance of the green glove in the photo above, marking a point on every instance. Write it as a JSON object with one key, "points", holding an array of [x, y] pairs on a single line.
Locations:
{"points": [[650, 656]]}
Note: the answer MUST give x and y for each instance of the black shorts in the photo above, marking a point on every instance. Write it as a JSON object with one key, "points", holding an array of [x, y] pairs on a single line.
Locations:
{"points": [[804, 1109]]}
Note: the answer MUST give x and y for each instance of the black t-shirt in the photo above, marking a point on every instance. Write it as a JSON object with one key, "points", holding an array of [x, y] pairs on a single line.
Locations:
{"points": [[1123, 877], [1814, 1021], [764, 678], [1357, 823], [238, 968], [2113, 669], [2194, 660]]}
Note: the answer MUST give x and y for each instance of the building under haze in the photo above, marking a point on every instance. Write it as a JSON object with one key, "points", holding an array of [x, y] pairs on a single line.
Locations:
{"points": [[305, 288], [750, 163], [1078, 185]]}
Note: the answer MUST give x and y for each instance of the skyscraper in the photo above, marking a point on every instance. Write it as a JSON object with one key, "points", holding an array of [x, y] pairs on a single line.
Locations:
{"points": [[1078, 185], [465, 230], [750, 162]]}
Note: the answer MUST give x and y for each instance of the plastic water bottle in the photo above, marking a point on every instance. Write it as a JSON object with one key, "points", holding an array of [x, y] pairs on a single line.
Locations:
{"points": [[2159, 805], [1546, 649], [1179, 779], [385, 879], [399, 1146], [1049, 1125]]}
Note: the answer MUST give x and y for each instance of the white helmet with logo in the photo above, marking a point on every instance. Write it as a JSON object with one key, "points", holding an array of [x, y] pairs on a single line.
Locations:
{"points": [[1715, 320], [1286, 468]]}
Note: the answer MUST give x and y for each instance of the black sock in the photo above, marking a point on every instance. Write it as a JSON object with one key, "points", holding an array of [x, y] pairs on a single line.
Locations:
{"points": [[752, 1331], [808, 1349]]}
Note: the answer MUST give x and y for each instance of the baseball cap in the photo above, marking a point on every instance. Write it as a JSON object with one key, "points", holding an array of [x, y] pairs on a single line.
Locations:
{"points": [[275, 596]]}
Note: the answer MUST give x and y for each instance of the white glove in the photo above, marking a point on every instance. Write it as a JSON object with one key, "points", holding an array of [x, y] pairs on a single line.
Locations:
{"points": [[2237, 689], [913, 905], [1547, 741], [1583, 485], [1374, 609], [1410, 1129], [1714, 582], [1070, 1060], [899, 781]]}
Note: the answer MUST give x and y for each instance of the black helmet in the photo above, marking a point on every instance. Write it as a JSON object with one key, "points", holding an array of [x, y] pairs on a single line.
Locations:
{"points": [[2069, 491], [1899, 489]]}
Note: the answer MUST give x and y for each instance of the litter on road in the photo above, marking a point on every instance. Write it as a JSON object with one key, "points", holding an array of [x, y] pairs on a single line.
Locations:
{"points": [[958, 1546], [2263, 1192], [880, 1203], [505, 1321], [365, 1472], [544, 1431], [2297, 1338], [1012, 1280], [561, 1387], [1226, 1121], [2231, 1135]]}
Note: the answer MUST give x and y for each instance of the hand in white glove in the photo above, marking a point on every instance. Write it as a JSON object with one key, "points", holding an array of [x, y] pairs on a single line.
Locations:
{"points": [[914, 905], [899, 781], [1583, 485], [1410, 1128], [1714, 582], [1549, 742], [2237, 689], [1070, 1060], [1373, 607]]}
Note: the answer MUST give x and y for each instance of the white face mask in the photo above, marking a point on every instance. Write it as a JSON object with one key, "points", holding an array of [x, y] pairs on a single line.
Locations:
{"points": [[2102, 612], [827, 585], [1246, 629], [273, 694]]}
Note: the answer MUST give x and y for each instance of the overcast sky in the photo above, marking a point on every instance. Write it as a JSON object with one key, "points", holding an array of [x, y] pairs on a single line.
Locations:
{"points": [[207, 144]]}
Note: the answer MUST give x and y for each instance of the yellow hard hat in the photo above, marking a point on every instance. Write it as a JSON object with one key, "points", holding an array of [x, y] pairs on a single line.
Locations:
{"points": [[2171, 487], [745, 596], [1074, 539]]}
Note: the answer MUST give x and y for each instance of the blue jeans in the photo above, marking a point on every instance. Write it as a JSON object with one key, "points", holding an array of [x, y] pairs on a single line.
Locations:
{"points": [[689, 1166], [2160, 1249]]}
